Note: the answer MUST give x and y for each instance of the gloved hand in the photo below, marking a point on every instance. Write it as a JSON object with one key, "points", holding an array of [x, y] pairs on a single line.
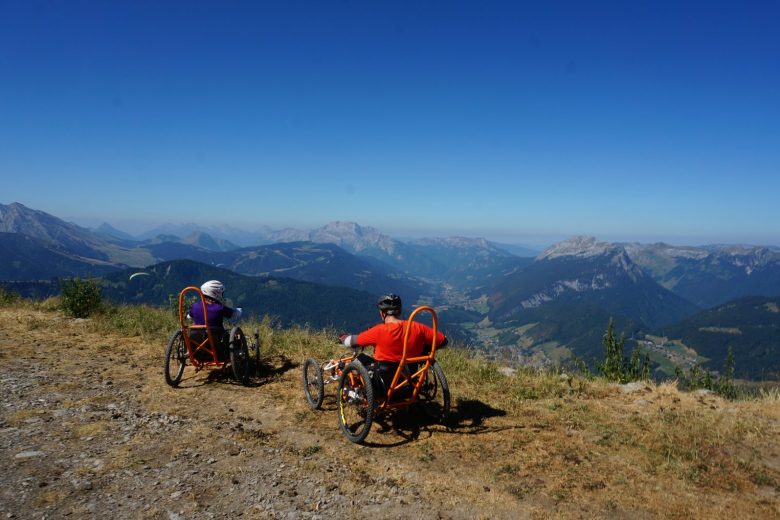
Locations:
{"points": [[343, 338], [237, 312]]}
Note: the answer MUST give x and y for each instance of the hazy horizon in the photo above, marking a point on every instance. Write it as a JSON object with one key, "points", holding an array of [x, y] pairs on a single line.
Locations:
{"points": [[538, 242]]}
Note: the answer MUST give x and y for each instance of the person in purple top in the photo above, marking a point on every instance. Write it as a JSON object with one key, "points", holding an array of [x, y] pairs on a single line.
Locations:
{"points": [[216, 310]]}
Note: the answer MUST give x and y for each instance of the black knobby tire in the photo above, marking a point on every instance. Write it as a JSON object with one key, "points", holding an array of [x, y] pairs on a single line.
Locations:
{"points": [[239, 356], [175, 359], [313, 386], [435, 393], [356, 402]]}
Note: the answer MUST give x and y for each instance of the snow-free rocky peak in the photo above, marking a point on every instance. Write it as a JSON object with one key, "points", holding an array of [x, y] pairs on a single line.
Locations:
{"points": [[353, 237], [580, 246]]}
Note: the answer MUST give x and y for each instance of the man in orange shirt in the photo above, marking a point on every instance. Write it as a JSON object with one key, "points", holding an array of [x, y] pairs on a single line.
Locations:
{"points": [[388, 341]]}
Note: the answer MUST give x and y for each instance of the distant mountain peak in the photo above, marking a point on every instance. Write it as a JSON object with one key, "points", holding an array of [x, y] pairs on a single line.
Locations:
{"points": [[107, 229], [582, 246], [348, 230], [354, 237], [17, 218], [206, 241]]}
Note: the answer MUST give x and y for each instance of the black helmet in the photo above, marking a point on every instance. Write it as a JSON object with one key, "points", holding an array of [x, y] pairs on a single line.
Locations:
{"points": [[390, 304]]}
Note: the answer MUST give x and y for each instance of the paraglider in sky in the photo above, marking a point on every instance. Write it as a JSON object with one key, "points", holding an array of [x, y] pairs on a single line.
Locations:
{"points": [[138, 274]]}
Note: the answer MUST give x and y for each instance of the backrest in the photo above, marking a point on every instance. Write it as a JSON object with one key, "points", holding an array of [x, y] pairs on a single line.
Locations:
{"points": [[201, 342], [412, 370]]}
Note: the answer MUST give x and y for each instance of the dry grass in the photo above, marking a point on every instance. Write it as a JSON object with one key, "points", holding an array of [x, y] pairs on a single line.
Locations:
{"points": [[89, 430], [20, 416], [547, 444]]}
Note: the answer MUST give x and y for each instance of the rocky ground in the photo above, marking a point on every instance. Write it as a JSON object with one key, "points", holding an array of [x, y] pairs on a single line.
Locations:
{"points": [[88, 428]]}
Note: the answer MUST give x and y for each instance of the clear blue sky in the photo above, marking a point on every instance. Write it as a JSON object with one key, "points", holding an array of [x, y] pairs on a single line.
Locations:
{"points": [[519, 121]]}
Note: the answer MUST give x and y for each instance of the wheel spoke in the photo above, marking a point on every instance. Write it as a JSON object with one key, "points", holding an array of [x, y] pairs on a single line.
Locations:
{"points": [[356, 401]]}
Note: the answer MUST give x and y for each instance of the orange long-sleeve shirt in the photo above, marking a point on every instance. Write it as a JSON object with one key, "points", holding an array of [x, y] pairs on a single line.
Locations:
{"points": [[388, 340]]}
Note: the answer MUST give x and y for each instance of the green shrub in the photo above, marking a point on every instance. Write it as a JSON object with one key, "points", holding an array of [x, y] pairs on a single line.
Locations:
{"points": [[80, 298], [7, 298], [615, 366], [701, 378]]}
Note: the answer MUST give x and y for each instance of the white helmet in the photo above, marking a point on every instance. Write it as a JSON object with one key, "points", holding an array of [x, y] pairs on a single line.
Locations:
{"points": [[213, 289]]}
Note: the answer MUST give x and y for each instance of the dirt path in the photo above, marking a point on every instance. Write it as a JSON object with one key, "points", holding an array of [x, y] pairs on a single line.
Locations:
{"points": [[88, 428]]}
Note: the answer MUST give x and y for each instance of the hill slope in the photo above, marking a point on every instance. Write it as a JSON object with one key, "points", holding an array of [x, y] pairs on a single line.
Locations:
{"points": [[326, 264], [26, 258], [95, 439], [469, 263], [750, 326], [583, 271], [291, 301], [568, 295], [67, 237]]}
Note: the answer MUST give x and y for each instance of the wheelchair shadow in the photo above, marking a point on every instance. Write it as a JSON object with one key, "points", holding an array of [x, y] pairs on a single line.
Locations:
{"points": [[471, 413], [222, 376], [468, 417], [266, 372], [270, 370]]}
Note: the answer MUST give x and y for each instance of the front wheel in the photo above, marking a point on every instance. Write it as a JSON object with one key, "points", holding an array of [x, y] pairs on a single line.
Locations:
{"points": [[239, 356], [175, 359], [356, 402], [435, 393], [313, 386]]}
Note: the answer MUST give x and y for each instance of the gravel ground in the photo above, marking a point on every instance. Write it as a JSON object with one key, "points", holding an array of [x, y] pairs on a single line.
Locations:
{"points": [[89, 428]]}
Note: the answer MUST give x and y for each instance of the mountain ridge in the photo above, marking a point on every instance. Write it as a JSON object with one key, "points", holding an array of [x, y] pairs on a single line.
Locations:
{"points": [[560, 299]]}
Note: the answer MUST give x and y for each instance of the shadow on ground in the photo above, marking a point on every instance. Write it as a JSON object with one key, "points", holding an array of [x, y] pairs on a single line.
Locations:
{"points": [[267, 371], [468, 417]]}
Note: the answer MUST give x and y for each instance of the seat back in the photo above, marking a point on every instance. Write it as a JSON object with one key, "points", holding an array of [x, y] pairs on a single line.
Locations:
{"points": [[411, 371], [200, 340]]}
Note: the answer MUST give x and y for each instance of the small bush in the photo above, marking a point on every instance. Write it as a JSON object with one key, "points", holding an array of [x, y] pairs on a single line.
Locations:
{"points": [[80, 298], [7, 298], [701, 378]]}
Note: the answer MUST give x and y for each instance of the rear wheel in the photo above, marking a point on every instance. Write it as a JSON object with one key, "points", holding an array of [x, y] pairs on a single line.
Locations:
{"points": [[175, 359], [356, 402], [239, 356], [435, 393], [313, 386]]}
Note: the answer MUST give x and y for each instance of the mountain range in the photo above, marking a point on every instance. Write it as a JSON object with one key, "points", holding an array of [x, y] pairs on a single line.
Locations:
{"points": [[709, 276], [536, 310], [572, 289]]}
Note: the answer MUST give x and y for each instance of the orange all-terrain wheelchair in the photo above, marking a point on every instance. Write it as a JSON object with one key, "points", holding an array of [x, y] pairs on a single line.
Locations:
{"points": [[206, 347], [417, 380]]}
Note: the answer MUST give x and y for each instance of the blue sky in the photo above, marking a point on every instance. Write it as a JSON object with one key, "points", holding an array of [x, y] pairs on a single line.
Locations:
{"points": [[521, 122]]}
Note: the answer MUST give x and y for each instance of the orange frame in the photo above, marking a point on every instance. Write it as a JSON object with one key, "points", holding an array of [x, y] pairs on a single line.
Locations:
{"points": [[399, 379], [208, 345]]}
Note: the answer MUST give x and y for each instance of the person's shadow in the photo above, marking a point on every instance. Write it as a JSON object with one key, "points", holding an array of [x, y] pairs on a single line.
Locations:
{"points": [[467, 417], [262, 373], [471, 414]]}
